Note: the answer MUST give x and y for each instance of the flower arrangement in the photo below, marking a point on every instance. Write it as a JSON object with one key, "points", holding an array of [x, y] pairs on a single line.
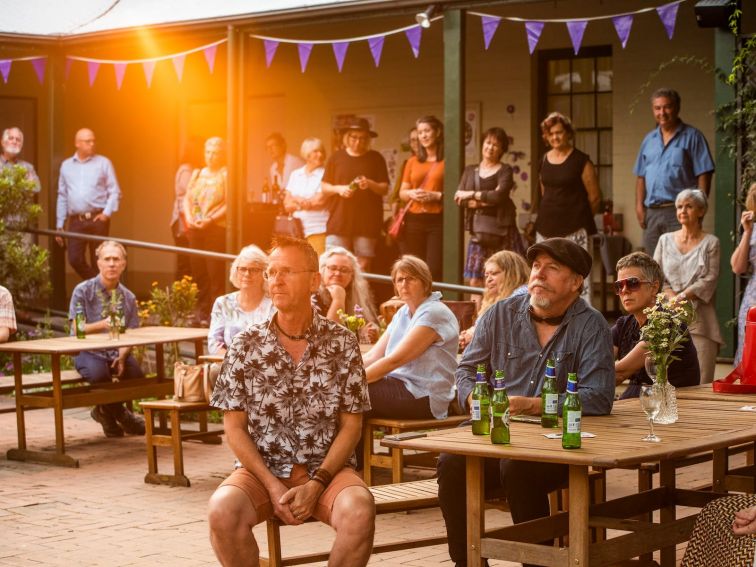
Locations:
{"points": [[666, 329], [352, 322], [172, 305], [112, 310]]}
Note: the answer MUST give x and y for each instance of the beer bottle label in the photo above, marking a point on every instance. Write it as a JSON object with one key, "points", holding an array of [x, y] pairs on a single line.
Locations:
{"points": [[505, 417], [476, 410], [573, 421], [551, 401]]}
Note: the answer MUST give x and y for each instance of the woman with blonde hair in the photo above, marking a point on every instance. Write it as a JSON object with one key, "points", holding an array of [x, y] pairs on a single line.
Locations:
{"points": [[344, 288], [303, 196], [506, 275], [743, 258], [249, 305]]}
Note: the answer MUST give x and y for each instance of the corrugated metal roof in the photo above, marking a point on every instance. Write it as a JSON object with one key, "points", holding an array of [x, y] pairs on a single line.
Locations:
{"points": [[73, 17]]}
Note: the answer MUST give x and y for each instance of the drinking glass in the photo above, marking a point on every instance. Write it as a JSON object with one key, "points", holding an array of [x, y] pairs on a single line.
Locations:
{"points": [[650, 400]]}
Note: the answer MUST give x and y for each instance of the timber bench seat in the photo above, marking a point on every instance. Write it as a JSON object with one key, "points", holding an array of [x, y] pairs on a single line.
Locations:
{"points": [[35, 381], [173, 437]]}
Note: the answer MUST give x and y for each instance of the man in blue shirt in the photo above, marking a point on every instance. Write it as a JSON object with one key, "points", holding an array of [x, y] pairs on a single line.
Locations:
{"points": [[673, 157], [517, 335], [91, 297], [88, 195]]}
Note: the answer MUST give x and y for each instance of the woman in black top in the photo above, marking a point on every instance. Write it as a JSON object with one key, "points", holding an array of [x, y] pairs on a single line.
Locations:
{"points": [[639, 279], [484, 190], [570, 193]]}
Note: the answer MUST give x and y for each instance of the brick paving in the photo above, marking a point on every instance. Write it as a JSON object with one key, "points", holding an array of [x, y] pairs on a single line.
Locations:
{"points": [[104, 514]]}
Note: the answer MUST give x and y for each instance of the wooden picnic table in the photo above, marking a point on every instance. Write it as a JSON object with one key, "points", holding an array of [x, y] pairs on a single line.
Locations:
{"points": [[706, 392], [703, 426], [59, 398]]}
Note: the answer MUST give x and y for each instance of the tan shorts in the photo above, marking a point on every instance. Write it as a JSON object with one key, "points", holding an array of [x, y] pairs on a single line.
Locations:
{"points": [[258, 496]]}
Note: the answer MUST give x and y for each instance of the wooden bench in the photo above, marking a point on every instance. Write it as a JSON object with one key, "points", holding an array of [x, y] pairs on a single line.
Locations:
{"points": [[39, 380], [173, 437], [394, 459]]}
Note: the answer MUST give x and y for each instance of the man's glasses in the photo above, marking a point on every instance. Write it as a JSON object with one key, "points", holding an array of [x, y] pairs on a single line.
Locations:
{"points": [[629, 284], [283, 273], [339, 269]]}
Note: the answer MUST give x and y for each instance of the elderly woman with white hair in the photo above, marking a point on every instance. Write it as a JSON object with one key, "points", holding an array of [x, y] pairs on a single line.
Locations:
{"points": [[303, 197], [689, 259], [235, 311], [345, 288]]}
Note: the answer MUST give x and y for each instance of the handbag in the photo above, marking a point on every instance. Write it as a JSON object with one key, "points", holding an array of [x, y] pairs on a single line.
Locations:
{"points": [[192, 382], [395, 230], [288, 225], [486, 229]]}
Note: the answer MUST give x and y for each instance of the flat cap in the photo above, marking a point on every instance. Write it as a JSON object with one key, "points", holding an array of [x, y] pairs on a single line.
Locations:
{"points": [[565, 252]]}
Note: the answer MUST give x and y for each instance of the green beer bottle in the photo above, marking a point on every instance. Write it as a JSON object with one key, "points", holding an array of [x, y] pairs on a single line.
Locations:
{"points": [[571, 415], [549, 397], [500, 408], [79, 322], [481, 403]]}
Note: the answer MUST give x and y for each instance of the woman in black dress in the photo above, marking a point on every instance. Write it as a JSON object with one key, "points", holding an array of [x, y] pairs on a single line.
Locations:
{"points": [[570, 193]]}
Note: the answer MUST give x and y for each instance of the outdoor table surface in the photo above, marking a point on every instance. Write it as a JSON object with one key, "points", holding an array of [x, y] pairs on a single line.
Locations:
{"points": [[703, 425], [706, 392], [69, 345]]}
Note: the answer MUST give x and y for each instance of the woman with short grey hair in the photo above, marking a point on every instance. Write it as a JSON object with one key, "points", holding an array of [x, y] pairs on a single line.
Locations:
{"points": [[689, 258], [235, 311]]}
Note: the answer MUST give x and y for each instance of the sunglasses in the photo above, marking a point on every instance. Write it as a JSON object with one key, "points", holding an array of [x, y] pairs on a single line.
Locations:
{"points": [[629, 284]]}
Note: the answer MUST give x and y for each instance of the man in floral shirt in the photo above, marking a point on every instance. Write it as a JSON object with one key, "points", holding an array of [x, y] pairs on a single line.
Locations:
{"points": [[7, 315], [293, 390]]}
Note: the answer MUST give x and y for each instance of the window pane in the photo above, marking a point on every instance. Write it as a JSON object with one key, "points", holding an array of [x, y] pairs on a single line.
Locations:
{"points": [[604, 114], [583, 111], [558, 104], [605, 182], [559, 76], [605, 73], [582, 75], [605, 147], [587, 142]]}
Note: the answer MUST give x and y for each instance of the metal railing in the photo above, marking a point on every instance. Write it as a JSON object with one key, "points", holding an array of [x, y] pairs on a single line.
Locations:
{"points": [[442, 286]]}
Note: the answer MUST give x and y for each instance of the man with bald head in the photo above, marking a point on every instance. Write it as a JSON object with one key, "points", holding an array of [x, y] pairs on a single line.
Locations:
{"points": [[88, 195]]}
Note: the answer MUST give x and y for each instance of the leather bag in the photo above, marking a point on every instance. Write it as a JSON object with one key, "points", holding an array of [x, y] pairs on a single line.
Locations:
{"points": [[487, 230], [395, 230], [192, 383], [288, 225]]}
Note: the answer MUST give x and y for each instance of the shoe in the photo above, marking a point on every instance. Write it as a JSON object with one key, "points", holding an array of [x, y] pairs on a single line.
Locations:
{"points": [[109, 425], [132, 424]]}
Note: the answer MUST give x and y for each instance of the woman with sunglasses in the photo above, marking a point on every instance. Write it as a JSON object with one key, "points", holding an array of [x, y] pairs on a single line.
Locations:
{"points": [[235, 311], [689, 259], [639, 279], [344, 288]]}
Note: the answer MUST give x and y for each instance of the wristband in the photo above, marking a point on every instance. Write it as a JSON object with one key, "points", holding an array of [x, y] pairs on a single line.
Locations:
{"points": [[322, 476]]}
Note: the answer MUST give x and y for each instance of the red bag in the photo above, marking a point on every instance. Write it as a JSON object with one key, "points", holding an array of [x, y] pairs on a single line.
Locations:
{"points": [[395, 230]]}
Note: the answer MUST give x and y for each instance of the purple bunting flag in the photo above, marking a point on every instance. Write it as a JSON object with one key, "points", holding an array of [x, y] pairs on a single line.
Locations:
{"points": [[178, 65], [69, 62], [149, 69], [668, 15], [270, 51], [5, 65], [92, 68], [120, 71], [623, 24], [304, 54], [39, 68], [490, 24], [376, 48], [533, 30], [210, 56], [413, 36], [339, 51], [576, 29]]}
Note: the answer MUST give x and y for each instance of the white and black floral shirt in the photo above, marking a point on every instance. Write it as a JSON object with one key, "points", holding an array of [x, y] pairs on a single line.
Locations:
{"points": [[293, 409]]}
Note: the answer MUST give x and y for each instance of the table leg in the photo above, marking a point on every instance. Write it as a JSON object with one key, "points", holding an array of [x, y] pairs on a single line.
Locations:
{"points": [[579, 495], [178, 448], [667, 479], [20, 418], [719, 466], [397, 460], [198, 349], [159, 361], [60, 443], [475, 509]]}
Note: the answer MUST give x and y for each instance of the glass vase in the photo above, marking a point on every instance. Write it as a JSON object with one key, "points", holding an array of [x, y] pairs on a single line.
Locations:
{"points": [[114, 327], [658, 373]]}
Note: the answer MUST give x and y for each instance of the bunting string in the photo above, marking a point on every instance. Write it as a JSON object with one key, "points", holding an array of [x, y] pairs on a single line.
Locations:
{"points": [[589, 19], [146, 59]]}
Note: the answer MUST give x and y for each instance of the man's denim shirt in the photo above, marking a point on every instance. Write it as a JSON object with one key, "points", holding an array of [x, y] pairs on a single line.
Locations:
{"points": [[505, 339]]}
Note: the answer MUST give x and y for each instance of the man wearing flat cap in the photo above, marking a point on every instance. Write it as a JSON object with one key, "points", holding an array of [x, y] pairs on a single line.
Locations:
{"points": [[355, 180], [518, 335]]}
